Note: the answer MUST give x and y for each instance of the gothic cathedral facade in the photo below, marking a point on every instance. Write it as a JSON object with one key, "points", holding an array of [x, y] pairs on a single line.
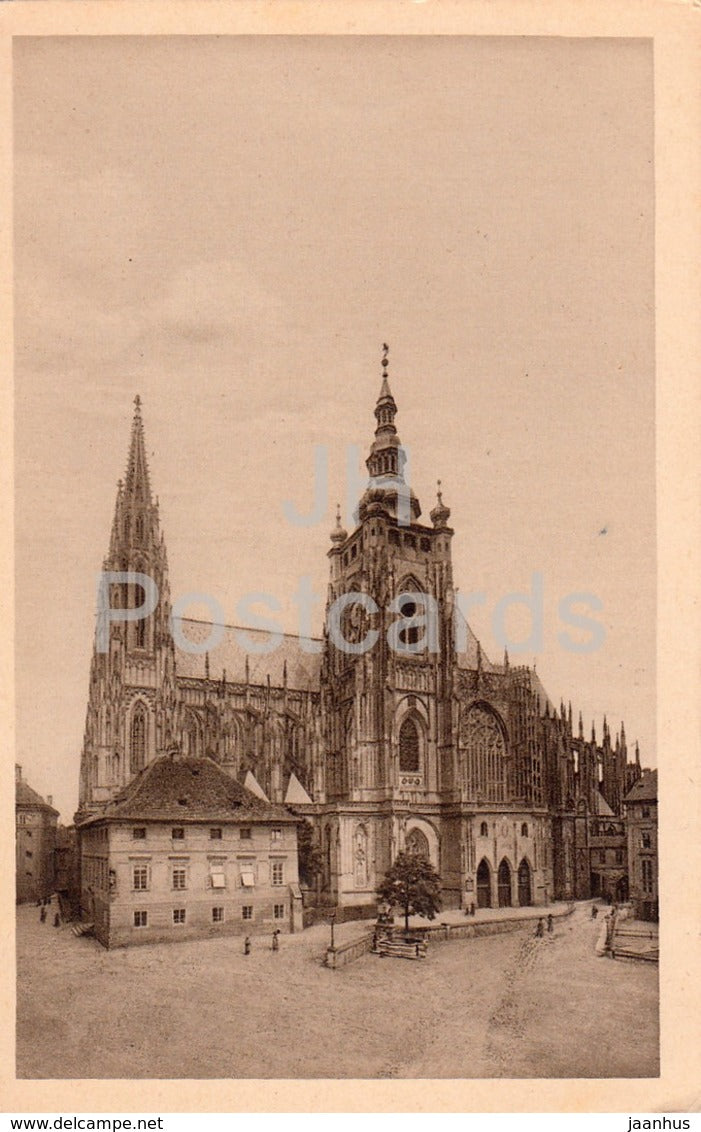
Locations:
{"points": [[393, 732]]}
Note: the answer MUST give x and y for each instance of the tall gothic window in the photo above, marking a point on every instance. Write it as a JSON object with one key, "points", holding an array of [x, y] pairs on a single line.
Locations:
{"points": [[409, 748], [137, 745], [482, 738]]}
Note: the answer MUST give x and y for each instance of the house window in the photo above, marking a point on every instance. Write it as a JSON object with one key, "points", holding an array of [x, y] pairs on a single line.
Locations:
{"points": [[279, 911], [425, 544], [141, 919], [247, 911], [248, 878], [277, 872], [484, 829], [215, 834], [140, 878], [619, 856], [245, 834], [276, 835], [178, 915], [524, 829], [217, 915], [139, 833], [647, 875], [29, 853], [217, 878], [178, 833], [646, 841], [646, 811], [179, 878]]}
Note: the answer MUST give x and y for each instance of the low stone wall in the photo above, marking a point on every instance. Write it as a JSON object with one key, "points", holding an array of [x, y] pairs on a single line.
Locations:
{"points": [[348, 952]]}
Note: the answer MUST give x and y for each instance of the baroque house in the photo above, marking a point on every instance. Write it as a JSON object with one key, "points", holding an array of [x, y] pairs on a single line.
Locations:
{"points": [[418, 742]]}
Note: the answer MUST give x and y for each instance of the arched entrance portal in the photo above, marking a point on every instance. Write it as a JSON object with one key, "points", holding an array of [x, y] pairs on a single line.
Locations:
{"points": [[504, 884], [484, 885], [525, 893]]}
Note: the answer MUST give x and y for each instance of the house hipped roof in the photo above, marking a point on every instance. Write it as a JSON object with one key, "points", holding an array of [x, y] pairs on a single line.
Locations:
{"points": [[645, 789], [186, 790], [25, 796]]}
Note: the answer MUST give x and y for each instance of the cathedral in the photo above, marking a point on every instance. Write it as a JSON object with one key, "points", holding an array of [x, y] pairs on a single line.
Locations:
{"points": [[417, 742]]}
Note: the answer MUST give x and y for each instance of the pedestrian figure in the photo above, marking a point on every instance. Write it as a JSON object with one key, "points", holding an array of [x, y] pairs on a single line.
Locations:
{"points": [[594, 911], [57, 920], [247, 945], [42, 915], [418, 951], [472, 909], [550, 923], [276, 941], [539, 929]]}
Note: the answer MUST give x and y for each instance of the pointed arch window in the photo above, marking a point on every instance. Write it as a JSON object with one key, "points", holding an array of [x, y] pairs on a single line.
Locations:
{"points": [[482, 738], [137, 740], [409, 746]]}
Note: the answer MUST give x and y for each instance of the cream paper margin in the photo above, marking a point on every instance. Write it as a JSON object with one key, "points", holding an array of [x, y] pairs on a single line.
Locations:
{"points": [[675, 29]]}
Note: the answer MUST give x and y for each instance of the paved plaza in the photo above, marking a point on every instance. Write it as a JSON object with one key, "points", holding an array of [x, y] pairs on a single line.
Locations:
{"points": [[507, 1005]]}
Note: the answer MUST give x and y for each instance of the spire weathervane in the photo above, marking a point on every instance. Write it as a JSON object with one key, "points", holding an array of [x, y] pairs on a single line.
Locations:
{"points": [[385, 359]]}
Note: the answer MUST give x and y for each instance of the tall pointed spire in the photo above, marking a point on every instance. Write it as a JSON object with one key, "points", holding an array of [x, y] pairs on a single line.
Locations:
{"points": [[387, 491], [137, 485]]}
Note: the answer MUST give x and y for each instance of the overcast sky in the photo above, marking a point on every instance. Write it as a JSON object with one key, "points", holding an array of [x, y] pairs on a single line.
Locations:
{"points": [[232, 227]]}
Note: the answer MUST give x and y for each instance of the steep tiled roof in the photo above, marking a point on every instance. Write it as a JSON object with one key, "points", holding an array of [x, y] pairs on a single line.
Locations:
{"points": [[230, 656], [190, 790], [468, 657], [602, 807], [25, 796], [645, 789]]}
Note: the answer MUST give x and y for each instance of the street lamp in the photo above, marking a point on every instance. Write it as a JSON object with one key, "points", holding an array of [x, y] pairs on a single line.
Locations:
{"points": [[333, 921]]}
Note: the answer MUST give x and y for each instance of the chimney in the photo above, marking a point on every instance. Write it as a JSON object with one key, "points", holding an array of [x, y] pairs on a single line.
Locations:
{"points": [[49, 799], [18, 773]]}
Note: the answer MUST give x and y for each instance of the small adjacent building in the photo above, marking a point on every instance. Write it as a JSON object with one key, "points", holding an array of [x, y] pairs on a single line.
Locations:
{"points": [[185, 851], [35, 842], [641, 813], [608, 857]]}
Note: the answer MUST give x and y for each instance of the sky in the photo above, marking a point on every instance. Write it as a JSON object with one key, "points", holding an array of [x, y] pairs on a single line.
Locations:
{"points": [[232, 227]]}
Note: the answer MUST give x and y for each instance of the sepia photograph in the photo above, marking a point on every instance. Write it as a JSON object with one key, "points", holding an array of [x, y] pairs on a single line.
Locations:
{"points": [[336, 558]]}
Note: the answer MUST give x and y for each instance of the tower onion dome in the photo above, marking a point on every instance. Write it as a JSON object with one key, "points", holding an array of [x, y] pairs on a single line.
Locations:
{"points": [[338, 534], [388, 489], [440, 513]]}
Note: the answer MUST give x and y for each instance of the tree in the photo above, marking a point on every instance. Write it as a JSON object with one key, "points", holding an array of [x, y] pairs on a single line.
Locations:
{"points": [[412, 884], [309, 856]]}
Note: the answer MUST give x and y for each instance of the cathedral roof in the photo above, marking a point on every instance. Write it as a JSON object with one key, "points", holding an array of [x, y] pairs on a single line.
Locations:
{"points": [[231, 654], [602, 807], [189, 790]]}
